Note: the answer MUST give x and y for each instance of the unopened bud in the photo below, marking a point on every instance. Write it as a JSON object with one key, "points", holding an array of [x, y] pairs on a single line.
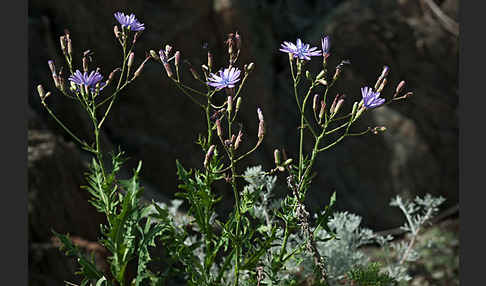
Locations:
{"points": [[378, 129], [408, 94], [333, 105], [116, 31], [135, 37], [154, 55], [385, 71], [218, 128], [140, 68], [323, 108], [320, 75], [41, 92], [131, 57], [382, 85], [205, 68], [400, 87], [276, 157], [314, 102], [361, 109], [238, 139], [237, 41], [354, 110], [250, 67], [308, 75], [47, 95], [168, 49], [339, 104], [261, 130], [177, 60], [112, 75], [230, 104], [62, 40], [85, 64], [238, 104], [194, 73], [336, 74], [287, 162], [52, 67], [210, 60], [168, 69], [209, 156], [260, 114]]}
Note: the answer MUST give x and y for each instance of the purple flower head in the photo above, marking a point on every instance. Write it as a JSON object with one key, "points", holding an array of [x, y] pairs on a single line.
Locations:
{"points": [[371, 99], [89, 80], [300, 50], [227, 78], [326, 45], [129, 21]]}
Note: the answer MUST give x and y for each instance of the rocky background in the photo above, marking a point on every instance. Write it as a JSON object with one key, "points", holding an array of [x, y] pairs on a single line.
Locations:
{"points": [[154, 123]]}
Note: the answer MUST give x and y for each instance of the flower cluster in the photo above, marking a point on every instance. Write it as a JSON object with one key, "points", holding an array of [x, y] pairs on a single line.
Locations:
{"points": [[129, 21], [300, 50], [226, 78], [90, 80]]}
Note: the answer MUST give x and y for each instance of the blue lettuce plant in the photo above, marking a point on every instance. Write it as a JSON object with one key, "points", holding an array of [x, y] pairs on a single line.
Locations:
{"points": [[265, 240]]}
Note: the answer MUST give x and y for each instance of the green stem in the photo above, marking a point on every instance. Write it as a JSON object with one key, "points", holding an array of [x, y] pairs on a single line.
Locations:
{"points": [[84, 144]]}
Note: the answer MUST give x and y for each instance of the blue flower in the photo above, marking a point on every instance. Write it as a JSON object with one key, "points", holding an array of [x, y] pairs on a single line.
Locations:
{"points": [[326, 45], [371, 99], [89, 80], [227, 78], [129, 21], [300, 50]]}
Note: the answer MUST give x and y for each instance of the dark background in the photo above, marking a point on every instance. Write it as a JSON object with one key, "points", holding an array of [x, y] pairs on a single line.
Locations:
{"points": [[153, 122]]}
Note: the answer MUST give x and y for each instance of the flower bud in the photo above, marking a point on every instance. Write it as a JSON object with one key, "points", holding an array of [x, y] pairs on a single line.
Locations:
{"points": [[287, 162], [205, 68], [85, 64], [237, 41], [260, 114], [250, 67], [230, 104], [177, 60], [218, 128], [238, 104], [385, 71], [116, 31], [276, 157], [382, 85], [131, 57], [47, 95], [308, 75], [52, 67], [168, 49], [209, 156], [154, 55], [339, 104], [210, 60], [238, 139], [400, 86], [408, 94], [354, 110], [323, 108], [378, 129], [62, 40], [140, 68], [314, 102], [135, 37], [261, 130], [194, 73], [112, 75], [41, 92], [320, 75], [336, 74]]}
